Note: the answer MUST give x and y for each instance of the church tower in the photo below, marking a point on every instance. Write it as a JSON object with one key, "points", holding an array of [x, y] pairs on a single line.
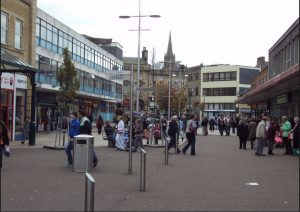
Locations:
{"points": [[169, 57]]}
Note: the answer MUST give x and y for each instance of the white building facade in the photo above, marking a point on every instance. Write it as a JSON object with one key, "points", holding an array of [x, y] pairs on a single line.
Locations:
{"points": [[97, 93], [220, 87]]}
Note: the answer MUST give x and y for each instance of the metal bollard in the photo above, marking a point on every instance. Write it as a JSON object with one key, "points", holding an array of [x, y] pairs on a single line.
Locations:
{"points": [[59, 137], [89, 192], [143, 170], [176, 143], [166, 151], [64, 137]]}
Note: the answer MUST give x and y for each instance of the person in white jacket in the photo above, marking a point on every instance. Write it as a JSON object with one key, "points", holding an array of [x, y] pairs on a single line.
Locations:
{"points": [[120, 134], [260, 136]]}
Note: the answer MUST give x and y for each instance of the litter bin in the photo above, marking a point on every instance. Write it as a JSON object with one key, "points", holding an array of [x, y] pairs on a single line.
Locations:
{"points": [[83, 153]]}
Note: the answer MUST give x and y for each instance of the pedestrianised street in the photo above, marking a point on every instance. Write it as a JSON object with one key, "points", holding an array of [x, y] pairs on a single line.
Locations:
{"points": [[221, 177]]}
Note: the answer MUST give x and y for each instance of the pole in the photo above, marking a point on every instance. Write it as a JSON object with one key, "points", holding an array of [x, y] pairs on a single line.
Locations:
{"points": [[169, 97], [32, 121], [167, 140], [138, 68], [89, 192], [179, 100], [131, 120], [143, 170], [176, 144]]}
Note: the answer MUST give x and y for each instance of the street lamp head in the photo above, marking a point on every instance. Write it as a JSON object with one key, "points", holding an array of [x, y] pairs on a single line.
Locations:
{"points": [[154, 16], [124, 16]]}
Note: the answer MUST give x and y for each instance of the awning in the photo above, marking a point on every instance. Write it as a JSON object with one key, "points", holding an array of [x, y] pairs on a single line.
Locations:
{"points": [[14, 62], [283, 83]]}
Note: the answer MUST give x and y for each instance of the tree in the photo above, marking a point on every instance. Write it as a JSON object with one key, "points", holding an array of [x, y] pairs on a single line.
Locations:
{"points": [[178, 102], [68, 82], [177, 98], [161, 95]]}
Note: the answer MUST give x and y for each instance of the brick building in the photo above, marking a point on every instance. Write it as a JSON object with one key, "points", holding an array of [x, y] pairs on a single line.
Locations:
{"points": [[17, 50]]}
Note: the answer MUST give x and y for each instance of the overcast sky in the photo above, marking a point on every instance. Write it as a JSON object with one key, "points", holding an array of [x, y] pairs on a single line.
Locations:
{"points": [[203, 31]]}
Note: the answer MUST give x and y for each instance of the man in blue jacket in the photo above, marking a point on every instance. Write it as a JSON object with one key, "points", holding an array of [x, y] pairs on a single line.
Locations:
{"points": [[73, 131]]}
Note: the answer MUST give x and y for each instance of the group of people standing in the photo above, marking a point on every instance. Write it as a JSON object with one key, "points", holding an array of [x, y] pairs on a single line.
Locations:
{"points": [[264, 132]]}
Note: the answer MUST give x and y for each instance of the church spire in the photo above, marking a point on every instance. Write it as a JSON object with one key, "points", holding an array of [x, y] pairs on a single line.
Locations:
{"points": [[170, 51], [169, 56]]}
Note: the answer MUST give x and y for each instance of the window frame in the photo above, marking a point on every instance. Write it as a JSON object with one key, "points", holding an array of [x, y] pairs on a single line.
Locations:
{"points": [[18, 45], [4, 28]]}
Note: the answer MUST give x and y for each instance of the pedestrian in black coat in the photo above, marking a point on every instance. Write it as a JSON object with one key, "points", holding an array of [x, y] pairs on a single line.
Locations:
{"points": [[271, 132], [172, 132], [86, 128], [4, 142], [243, 133]]}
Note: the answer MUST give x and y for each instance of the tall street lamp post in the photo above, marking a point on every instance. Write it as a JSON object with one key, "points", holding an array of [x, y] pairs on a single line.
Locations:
{"points": [[190, 96], [170, 82], [139, 36]]}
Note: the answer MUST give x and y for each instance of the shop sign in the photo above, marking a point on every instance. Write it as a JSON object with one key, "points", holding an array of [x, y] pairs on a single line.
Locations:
{"points": [[282, 99], [21, 81], [7, 81]]}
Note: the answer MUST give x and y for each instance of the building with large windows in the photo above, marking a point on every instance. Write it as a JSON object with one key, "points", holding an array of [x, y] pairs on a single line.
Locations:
{"points": [[97, 93], [220, 87], [193, 91], [279, 95]]}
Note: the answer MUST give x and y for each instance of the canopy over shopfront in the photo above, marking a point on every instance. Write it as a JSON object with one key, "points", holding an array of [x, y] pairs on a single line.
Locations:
{"points": [[12, 64], [286, 83]]}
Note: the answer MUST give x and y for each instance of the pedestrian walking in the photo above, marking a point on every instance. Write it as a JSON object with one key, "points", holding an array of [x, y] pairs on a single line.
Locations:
{"points": [[221, 125], [138, 131], [4, 142], [172, 132], [190, 135], [120, 134], [99, 124], [74, 125], [212, 123], [86, 128], [271, 132], [204, 124], [252, 131], [243, 133], [296, 135], [286, 128], [26, 130], [156, 132], [260, 137], [164, 128]]}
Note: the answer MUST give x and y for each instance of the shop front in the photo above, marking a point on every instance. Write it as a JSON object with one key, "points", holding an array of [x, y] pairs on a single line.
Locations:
{"points": [[7, 101], [13, 105], [47, 112]]}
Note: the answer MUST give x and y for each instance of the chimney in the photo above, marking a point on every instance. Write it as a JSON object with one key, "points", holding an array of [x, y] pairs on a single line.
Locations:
{"points": [[145, 54], [260, 62]]}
